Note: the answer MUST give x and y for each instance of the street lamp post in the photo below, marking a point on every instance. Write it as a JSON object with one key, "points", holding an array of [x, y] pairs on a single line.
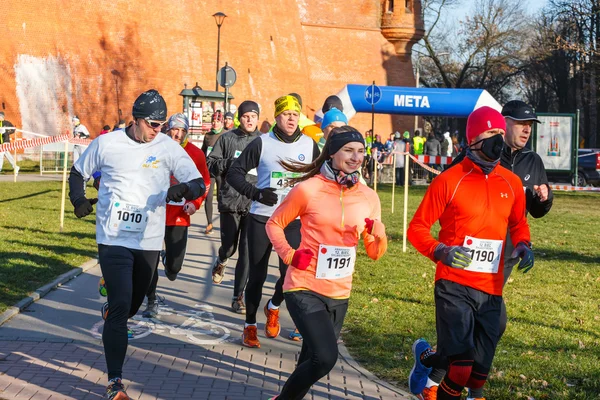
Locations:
{"points": [[219, 18]]}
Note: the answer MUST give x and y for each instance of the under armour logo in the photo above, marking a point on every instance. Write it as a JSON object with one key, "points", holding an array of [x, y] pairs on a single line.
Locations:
{"points": [[505, 195]]}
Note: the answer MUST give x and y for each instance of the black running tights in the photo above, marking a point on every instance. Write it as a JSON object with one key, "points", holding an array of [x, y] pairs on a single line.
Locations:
{"points": [[127, 274], [175, 245]]}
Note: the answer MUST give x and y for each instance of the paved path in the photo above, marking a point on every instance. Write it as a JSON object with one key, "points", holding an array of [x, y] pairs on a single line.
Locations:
{"points": [[192, 350], [30, 177]]}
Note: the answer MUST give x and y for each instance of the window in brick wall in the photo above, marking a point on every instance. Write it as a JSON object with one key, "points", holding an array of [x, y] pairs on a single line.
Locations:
{"points": [[390, 6], [408, 6]]}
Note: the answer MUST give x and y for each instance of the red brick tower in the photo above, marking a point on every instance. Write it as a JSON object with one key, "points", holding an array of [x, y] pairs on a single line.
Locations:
{"points": [[402, 25]]}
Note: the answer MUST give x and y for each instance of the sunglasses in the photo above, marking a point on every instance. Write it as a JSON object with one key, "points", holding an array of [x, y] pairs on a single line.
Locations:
{"points": [[154, 124]]}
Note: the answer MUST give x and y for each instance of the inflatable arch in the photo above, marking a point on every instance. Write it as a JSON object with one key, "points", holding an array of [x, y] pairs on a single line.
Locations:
{"points": [[412, 101]]}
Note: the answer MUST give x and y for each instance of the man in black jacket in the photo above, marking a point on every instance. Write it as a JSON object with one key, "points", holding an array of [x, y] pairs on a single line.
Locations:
{"points": [[529, 166], [234, 207]]}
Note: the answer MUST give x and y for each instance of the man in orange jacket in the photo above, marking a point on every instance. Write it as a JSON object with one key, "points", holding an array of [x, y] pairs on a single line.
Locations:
{"points": [[178, 214], [475, 201]]}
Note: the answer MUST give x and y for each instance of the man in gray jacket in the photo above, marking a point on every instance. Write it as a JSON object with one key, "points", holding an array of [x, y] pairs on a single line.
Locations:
{"points": [[234, 207]]}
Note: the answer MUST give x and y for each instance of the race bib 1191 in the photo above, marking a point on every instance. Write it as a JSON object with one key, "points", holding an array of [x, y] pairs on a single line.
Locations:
{"points": [[335, 262]]}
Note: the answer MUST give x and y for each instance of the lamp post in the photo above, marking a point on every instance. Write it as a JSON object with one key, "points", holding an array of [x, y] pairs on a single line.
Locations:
{"points": [[417, 76], [219, 18]]}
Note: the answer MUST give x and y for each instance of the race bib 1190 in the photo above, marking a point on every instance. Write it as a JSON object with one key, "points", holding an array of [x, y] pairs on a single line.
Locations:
{"points": [[485, 254]]}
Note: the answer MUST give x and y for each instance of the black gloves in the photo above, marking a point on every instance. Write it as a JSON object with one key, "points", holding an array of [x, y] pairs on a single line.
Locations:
{"points": [[524, 252], [177, 192], [453, 256], [83, 207], [266, 196]]}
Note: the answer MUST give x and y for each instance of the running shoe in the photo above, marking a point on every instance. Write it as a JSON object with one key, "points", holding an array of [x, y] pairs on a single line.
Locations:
{"points": [[419, 373], [151, 310], [250, 337], [429, 393], [102, 287], [104, 310], [218, 271], [238, 306], [295, 335], [272, 327], [209, 229], [116, 391]]}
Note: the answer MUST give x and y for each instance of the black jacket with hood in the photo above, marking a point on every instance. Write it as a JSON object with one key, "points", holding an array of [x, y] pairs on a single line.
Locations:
{"points": [[226, 149]]}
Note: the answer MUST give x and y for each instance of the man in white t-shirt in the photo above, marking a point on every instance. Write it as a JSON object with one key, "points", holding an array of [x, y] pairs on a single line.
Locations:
{"points": [[136, 166], [79, 132]]}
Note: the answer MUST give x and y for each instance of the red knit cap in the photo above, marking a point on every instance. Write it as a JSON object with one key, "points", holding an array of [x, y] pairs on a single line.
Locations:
{"points": [[217, 116], [484, 119]]}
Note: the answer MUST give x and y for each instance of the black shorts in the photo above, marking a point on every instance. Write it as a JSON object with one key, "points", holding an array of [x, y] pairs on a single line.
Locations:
{"points": [[466, 318]]}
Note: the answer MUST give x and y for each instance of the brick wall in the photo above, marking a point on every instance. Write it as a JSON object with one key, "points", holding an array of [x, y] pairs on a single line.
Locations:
{"points": [[58, 55]]}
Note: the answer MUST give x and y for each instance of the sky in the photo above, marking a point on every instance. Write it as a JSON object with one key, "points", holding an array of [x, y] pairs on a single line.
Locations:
{"points": [[532, 6]]}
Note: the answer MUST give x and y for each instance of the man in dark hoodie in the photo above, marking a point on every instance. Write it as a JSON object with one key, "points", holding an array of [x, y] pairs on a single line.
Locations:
{"points": [[207, 146], [234, 207]]}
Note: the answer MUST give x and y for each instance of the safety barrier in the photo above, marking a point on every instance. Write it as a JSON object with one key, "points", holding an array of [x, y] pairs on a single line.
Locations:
{"points": [[569, 188]]}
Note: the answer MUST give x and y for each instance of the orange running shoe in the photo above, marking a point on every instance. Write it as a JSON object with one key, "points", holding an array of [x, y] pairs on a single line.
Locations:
{"points": [[430, 393], [272, 327], [250, 337]]}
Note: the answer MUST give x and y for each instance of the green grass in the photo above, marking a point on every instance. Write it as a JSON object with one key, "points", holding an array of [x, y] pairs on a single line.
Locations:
{"points": [[551, 347], [33, 251], [26, 167]]}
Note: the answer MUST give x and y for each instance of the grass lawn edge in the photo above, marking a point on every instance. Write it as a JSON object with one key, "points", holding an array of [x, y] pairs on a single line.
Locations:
{"points": [[47, 288]]}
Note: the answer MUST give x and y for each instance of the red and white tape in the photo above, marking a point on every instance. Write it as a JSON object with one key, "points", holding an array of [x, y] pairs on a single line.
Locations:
{"points": [[439, 160], [569, 188], [26, 144], [425, 166]]}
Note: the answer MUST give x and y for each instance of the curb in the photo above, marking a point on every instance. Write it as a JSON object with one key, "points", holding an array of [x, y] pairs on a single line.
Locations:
{"points": [[44, 290], [343, 352]]}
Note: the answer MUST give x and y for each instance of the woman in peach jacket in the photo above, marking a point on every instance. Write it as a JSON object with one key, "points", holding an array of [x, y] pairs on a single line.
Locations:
{"points": [[335, 210]]}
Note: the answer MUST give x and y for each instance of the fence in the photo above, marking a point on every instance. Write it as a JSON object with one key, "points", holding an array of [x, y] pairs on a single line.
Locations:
{"points": [[52, 149], [422, 168]]}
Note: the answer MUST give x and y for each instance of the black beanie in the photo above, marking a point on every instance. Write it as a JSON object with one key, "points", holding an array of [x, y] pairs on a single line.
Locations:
{"points": [[297, 96], [339, 140], [332, 102], [151, 105], [229, 114], [248, 106]]}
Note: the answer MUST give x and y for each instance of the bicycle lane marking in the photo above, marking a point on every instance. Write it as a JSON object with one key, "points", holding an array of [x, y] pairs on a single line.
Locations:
{"points": [[199, 323]]}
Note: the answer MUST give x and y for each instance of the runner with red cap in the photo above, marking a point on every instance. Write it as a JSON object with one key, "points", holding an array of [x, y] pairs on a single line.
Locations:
{"points": [[475, 201]]}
